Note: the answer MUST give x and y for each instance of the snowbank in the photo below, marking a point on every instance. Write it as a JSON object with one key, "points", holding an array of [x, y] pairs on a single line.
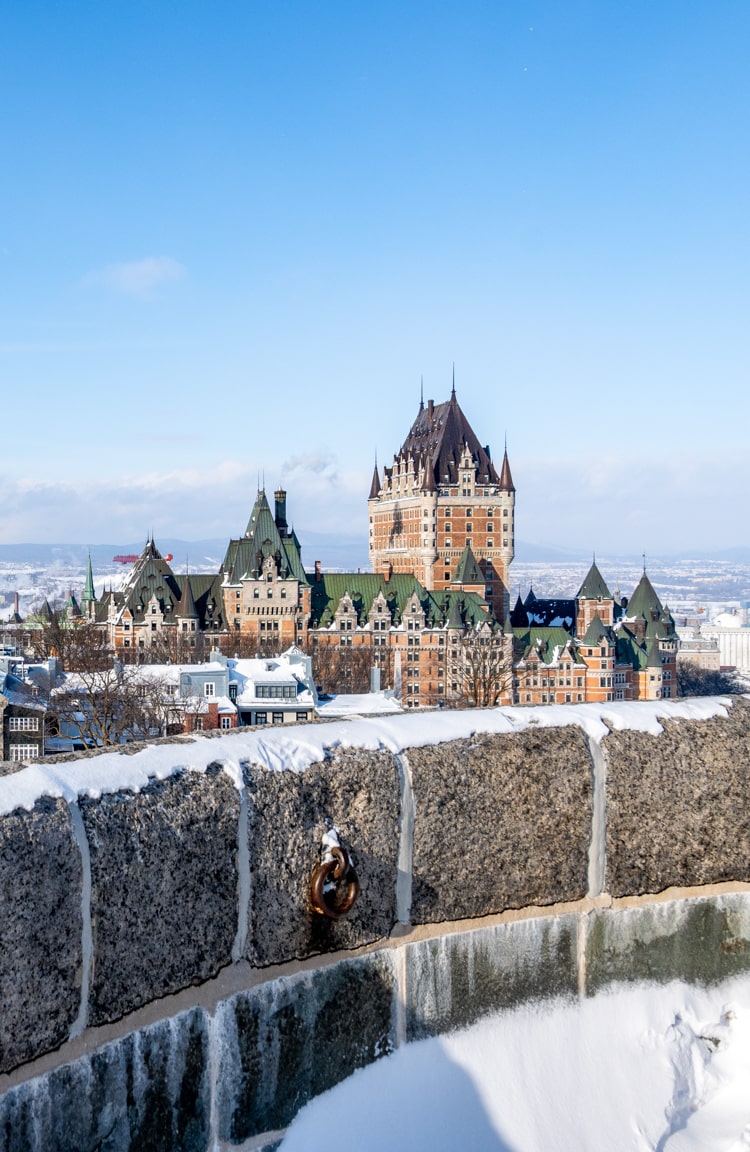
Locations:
{"points": [[642, 1068]]}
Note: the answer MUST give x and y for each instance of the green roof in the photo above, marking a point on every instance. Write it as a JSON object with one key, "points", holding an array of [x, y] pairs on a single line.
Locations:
{"points": [[244, 557], [596, 631], [644, 600], [467, 570], [547, 642], [364, 587], [88, 588], [594, 587]]}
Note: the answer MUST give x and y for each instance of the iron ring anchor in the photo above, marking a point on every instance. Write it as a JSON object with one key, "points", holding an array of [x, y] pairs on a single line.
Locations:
{"points": [[335, 867]]}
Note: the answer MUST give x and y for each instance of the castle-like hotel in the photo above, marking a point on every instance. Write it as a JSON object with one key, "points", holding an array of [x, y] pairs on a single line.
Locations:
{"points": [[434, 615]]}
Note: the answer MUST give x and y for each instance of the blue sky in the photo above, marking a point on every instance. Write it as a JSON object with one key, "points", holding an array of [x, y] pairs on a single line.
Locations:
{"points": [[234, 236]]}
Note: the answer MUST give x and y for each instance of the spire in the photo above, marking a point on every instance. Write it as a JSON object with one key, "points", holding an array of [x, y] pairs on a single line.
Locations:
{"points": [[506, 480], [89, 593], [186, 607], [375, 486], [453, 389], [421, 393], [594, 586]]}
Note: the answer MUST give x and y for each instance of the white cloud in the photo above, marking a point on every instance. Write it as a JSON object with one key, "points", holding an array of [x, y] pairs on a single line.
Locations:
{"points": [[191, 503], [139, 278]]}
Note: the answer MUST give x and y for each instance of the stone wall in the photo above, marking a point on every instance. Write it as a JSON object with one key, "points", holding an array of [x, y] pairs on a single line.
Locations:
{"points": [[109, 904]]}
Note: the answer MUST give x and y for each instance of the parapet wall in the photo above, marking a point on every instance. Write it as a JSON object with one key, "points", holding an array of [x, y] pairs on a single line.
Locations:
{"points": [[110, 902]]}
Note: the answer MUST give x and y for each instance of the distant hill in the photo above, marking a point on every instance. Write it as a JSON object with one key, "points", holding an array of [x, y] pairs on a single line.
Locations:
{"points": [[345, 553]]}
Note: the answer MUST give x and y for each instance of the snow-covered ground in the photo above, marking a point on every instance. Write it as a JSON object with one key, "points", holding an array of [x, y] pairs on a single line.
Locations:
{"points": [[635, 1069]]}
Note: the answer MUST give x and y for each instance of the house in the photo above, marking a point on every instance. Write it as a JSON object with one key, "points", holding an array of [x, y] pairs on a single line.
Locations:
{"points": [[22, 712]]}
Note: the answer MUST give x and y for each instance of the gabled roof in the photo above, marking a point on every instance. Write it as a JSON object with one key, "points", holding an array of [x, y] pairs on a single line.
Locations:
{"points": [[244, 557], [363, 588], [438, 436], [596, 632], [594, 586], [548, 644], [261, 525], [467, 569]]}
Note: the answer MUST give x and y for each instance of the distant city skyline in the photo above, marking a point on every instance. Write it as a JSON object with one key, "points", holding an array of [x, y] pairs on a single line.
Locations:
{"points": [[234, 239]]}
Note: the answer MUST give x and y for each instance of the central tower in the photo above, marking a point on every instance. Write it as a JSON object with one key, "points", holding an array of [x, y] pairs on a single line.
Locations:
{"points": [[442, 504]]}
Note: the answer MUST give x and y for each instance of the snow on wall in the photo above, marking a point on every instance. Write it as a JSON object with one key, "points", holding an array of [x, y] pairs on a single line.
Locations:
{"points": [[306, 744]]}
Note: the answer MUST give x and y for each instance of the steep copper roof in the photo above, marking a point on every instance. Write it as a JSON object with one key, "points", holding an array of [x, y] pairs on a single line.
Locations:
{"points": [[506, 480], [438, 435], [375, 486]]}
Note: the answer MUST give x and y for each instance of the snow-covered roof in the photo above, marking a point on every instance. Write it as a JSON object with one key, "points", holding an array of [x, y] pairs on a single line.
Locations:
{"points": [[359, 704]]}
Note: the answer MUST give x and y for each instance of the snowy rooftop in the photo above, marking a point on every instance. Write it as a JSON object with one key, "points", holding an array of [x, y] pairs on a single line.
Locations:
{"points": [[359, 704], [295, 748]]}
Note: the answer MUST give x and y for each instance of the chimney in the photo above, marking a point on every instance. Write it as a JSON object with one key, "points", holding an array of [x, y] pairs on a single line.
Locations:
{"points": [[387, 570], [280, 511], [15, 603], [430, 409], [317, 572]]}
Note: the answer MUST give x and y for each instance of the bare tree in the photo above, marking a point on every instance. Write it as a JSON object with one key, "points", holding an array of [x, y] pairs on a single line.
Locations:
{"points": [[341, 669], [78, 644], [482, 667], [170, 646], [694, 680], [110, 705]]}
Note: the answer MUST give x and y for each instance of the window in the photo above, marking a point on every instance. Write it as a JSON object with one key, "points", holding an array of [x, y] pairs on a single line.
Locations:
{"points": [[209, 689], [277, 717], [301, 716], [226, 721], [23, 724], [198, 724], [261, 717], [24, 751]]}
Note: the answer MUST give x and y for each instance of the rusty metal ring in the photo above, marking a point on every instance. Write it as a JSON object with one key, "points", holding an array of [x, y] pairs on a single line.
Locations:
{"points": [[338, 867]]}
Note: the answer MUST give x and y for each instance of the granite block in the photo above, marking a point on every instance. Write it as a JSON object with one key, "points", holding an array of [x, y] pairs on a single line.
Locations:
{"points": [[40, 931], [501, 822], [164, 888], [288, 812], [678, 804]]}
